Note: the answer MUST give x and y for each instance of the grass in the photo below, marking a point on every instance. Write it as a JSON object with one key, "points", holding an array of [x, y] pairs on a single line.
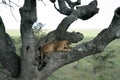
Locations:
{"points": [[14, 33], [89, 68], [87, 33]]}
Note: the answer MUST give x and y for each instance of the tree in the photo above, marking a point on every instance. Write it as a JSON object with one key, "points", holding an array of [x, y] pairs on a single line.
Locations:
{"points": [[25, 68]]}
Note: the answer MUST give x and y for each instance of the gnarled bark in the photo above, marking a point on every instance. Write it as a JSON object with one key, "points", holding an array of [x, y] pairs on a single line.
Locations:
{"points": [[55, 60], [83, 12], [97, 45], [8, 57]]}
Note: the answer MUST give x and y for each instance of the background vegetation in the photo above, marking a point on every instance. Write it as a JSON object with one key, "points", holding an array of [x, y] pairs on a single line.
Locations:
{"points": [[103, 66]]}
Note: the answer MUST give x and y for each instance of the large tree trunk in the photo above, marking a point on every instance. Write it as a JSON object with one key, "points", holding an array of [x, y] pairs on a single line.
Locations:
{"points": [[28, 17], [29, 51]]}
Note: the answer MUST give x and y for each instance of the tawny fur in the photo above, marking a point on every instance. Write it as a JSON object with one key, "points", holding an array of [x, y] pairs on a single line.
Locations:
{"points": [[54, 47]]}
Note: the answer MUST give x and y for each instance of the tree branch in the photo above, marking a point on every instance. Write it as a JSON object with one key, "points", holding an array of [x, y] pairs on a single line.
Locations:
{"points": [[90, 9], [83, 12], [97, 45]]}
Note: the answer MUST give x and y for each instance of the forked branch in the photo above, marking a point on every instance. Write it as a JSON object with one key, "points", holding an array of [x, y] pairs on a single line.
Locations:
{"points": [[97, 45]]}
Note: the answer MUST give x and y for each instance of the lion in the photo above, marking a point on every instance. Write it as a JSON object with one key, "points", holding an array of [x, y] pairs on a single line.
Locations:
{"points": [[51, 47], [55, 46]]}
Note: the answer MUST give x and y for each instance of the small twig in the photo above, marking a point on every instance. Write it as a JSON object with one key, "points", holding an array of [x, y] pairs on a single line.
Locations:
{"points": [[15, 4], [9, 4], [13, 14], [42, 2], [4, 2], [11, 11]]}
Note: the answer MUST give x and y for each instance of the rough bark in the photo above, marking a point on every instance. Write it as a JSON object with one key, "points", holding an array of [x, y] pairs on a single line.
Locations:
{"points": [[97, 45], [90, 9], [8, 57], [54, 60], [28, 17], [83, 12]]}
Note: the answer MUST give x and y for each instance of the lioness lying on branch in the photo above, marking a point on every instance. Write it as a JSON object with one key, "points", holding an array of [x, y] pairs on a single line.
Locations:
{"points": [[53, 47]]}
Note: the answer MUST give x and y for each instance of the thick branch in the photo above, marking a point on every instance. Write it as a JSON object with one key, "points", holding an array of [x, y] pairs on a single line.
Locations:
{"points": [[58, 59], [65, 23], [8, 56], [90, 9], [96, 45], [73, 37], [83, 12]]}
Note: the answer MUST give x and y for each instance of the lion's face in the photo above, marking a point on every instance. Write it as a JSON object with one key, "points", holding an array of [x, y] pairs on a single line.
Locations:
{"points": [[66, 44]]}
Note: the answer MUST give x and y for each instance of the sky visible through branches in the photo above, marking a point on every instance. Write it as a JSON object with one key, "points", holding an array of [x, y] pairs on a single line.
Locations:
{"points": [[47, 12]]}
